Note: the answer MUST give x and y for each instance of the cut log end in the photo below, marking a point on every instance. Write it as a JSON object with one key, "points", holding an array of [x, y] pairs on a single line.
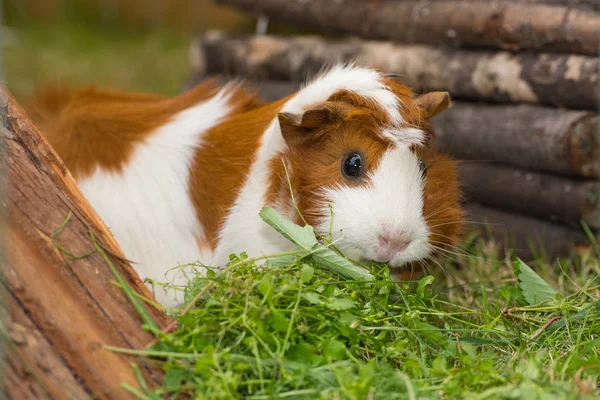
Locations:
{"points": [[584, 146]]}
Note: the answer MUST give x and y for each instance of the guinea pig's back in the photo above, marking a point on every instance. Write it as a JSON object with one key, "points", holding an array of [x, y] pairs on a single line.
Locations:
{"points": [[131, 155]]}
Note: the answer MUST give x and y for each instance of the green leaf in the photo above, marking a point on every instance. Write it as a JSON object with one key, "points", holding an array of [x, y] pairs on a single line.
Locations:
{"points": [[312, 298], [347, 318], [334, 349], [305, 239], [428, 280], [439, 365], [282, 261], [384, 291], [534, 288], [301, 237], [329, 259], [265, 285], [302, 352], [278, 321], [307, 273], [329, 290], [173, 378], [341, 304], [430, 332], [186, 320]]}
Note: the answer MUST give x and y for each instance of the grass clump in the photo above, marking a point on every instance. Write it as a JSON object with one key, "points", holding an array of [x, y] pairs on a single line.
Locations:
{"points": [[492, 329]]}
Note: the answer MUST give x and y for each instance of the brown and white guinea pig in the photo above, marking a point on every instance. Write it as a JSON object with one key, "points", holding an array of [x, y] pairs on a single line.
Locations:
{"points": [[182, 179]]}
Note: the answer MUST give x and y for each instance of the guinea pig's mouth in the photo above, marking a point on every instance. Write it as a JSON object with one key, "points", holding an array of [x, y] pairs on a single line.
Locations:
{"points": [[400, 260], [396, 261]]}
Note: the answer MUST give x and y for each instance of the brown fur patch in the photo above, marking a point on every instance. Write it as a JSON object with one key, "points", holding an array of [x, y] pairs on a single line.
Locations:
{"points": [[442, 198], [220, 167], [91, 128]]}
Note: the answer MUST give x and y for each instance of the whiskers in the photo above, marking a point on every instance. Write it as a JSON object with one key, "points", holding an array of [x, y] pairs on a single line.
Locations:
{"points": [[424, 263]]}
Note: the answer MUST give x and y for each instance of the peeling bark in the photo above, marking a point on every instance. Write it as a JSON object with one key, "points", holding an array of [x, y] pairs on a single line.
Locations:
{"points": [[591, 5], [546, 196], [582, 4], [483, 24], [60, 311], [569, 81]]}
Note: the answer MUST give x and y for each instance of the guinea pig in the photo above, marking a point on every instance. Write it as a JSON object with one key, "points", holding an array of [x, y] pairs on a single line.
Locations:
{"points": [[182, 180]]}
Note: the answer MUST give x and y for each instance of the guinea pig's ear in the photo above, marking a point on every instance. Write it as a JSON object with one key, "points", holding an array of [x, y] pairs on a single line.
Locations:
{"points": [[433, 103], [299, 127]]}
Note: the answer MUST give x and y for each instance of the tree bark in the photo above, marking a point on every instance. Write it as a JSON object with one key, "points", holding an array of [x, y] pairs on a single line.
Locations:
{"points": [[569, 81], [525, 236], [593, 5], [546, 196], [489, 24], [60, 311], [539, 138], [582, 4]]}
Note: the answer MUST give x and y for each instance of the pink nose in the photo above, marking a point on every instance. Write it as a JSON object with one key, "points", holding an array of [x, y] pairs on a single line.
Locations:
{"points": [[390, 245]]}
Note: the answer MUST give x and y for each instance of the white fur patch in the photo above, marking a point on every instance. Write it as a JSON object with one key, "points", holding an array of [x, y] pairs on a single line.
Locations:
{"points": [[244, 230], [365, 82], [393, 202], [405, 136], [148, 206]]}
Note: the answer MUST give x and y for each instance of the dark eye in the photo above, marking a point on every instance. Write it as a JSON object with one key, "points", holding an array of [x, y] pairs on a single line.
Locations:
{"points": [[352, 165]]}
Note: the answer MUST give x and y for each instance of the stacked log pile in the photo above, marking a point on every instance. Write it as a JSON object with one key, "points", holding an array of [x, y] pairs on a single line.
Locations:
{"points": [[524, 76]]}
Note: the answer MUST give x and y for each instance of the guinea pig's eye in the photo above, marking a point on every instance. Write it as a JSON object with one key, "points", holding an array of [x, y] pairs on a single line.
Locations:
{"points": [[423, 168], [352, 165]]}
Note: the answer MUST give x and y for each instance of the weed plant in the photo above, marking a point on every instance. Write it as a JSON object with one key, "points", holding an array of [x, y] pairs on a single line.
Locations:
{"points": [[483, 328]]}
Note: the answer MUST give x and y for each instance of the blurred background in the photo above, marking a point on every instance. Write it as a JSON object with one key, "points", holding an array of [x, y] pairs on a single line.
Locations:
{"points": [[129, 44]]}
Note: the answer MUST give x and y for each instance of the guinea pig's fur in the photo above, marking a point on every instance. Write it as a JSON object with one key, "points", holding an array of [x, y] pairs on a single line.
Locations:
{"points": [[182, 179]]}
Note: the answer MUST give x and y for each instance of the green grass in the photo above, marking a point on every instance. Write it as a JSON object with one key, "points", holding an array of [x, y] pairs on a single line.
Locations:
{"points": [[478, 330], [154, 61]]}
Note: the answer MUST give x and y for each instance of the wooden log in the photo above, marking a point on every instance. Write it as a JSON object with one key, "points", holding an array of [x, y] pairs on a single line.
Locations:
{"points": [[540, 138], [592, 5], [491, 24], [525, 236], [59, 311], [569, 81], [583, 4], [546, 196]]}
